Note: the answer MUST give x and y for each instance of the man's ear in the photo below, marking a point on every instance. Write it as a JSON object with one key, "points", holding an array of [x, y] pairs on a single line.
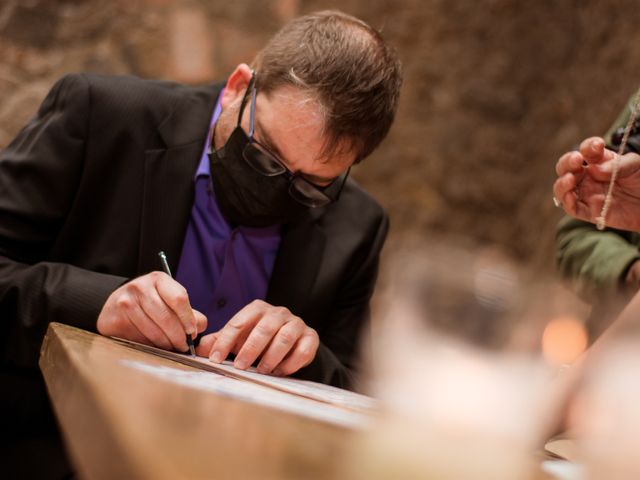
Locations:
{"points": [[236, 86]]}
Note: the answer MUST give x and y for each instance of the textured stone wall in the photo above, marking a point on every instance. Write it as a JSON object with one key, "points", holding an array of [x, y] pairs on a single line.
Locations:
{"points": [[494, 91]]}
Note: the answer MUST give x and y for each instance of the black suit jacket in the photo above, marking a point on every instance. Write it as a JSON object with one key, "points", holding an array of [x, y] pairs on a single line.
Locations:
{"points": [[101, 179]]}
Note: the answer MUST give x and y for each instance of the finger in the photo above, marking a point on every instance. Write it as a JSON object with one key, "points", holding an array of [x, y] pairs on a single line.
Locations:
{"points": [[570, 162], [124, 328], [201, 322], [129, 306], [235, 330], [161, 314], [564, 190], [587, 207], [628, 164], [176, 297], [280, 348], [281, 344], [592, 149], [302, 354], [206, 343], [135, 335], [272, 320]]}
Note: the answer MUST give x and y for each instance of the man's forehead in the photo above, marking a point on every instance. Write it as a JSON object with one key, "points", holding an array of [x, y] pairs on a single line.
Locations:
{"points": [[303, 105], [292, 122]]}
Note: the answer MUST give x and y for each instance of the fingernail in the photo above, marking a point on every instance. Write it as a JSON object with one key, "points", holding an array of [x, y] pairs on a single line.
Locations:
{"points": [[216, 357], [263, 369], [241, 364], [277, 372]]}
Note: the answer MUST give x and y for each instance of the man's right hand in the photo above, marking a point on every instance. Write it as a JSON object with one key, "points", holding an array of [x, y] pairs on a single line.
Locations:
{"points": [[583, 181], [152, 309]]}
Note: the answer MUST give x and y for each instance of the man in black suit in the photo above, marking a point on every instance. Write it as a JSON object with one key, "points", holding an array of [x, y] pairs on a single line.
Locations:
{"points": [[244, 185]]}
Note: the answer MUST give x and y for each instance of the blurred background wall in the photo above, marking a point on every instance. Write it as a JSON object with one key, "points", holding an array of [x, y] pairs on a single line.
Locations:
{"points": [[494, 92]]}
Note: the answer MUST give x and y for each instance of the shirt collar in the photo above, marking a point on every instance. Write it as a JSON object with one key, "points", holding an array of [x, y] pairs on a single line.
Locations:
{"points": [[204, 169]]}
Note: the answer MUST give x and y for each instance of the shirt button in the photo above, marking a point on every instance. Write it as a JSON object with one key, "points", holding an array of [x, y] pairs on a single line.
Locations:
{"points": [[221, 302]]}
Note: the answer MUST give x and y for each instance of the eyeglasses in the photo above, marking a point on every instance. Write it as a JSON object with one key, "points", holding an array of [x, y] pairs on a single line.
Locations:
{"points": [[265, 162]]}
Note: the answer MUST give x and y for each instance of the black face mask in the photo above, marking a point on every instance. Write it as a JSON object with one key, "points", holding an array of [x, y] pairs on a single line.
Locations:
{"points": [[246, 197]]}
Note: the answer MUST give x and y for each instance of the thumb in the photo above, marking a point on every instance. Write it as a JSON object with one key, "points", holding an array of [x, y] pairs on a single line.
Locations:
{"points": [[201, 321], [592, 149]]}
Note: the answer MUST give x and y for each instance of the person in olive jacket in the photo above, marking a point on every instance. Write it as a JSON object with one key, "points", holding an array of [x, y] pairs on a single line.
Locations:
{"points": [[601, 266]]}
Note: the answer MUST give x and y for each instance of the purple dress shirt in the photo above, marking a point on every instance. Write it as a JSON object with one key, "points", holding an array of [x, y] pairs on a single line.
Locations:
{"points": [[223, 268]]}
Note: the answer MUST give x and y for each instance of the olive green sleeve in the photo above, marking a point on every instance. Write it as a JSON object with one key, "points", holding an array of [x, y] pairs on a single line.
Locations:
{"points": [[623, 118], [594, 262]]}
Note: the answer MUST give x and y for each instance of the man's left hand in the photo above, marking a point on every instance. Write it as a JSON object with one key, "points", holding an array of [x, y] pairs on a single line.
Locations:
{"points": [[282, 341]]}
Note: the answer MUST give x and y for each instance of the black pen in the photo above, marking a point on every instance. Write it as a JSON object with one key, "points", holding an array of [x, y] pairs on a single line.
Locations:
{"points": [[167, 270]]}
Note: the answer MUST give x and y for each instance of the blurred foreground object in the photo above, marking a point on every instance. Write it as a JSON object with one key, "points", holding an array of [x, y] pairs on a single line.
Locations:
{"points": [[563, 340], [466, 389], [605, 419]]}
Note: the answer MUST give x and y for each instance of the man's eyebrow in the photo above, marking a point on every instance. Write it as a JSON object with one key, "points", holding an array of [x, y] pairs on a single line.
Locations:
{"points": [[268, 142]]}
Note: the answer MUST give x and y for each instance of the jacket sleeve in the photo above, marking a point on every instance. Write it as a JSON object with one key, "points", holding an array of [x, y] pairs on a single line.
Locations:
{"points": [[594, 262], [39, 173], [336, 362]]}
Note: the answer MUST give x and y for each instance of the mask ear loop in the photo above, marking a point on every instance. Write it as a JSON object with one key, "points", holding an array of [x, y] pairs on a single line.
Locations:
{"points": [[252, 111], [244, 98], [242, 105]]}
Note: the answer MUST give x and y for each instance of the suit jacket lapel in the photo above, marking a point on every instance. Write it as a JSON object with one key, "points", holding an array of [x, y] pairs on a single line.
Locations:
{"points": [[169, 177], [297, 264]]}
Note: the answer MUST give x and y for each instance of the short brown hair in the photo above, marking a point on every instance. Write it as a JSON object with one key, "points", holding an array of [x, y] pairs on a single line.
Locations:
{"points": [[354, 73]]}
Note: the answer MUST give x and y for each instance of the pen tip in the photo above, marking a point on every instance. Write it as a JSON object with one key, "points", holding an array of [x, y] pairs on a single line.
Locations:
{"points": [[192, 350]]}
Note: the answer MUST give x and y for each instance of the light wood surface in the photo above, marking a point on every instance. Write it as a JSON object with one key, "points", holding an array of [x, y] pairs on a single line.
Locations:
{"points": [[120, 422]]}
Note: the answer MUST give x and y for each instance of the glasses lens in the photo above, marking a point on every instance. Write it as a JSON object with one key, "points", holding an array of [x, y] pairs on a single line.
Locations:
{"points": [[262, 161], [307, 194]]}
